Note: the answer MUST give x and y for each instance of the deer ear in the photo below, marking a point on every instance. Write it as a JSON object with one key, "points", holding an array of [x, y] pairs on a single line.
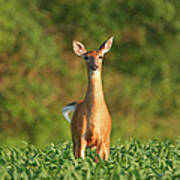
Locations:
{"points": [[78, 48], [105, 47]]}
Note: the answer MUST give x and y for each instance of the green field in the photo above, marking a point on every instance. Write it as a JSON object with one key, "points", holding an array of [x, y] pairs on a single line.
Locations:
{"points": [[129, 160]]}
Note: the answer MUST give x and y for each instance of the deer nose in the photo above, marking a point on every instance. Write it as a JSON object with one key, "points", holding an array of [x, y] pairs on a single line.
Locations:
{"points": [[94, 67]]}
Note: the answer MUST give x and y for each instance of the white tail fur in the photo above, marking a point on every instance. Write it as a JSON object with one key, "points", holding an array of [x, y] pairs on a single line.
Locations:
{"points": [[68, 109]]}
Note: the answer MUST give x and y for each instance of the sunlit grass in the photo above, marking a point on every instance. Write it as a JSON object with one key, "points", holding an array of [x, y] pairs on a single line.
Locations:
{"points": [[129, 160]]}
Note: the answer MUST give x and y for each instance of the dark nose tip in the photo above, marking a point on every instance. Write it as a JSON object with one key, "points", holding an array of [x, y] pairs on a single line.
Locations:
{"points": [[94, 67]]}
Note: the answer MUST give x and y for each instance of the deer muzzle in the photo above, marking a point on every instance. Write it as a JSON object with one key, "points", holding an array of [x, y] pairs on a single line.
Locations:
{"points": [[94, 67]]}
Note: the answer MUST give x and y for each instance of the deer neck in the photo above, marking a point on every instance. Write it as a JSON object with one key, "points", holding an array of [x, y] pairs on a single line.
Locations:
{"points": [[94, 95]]}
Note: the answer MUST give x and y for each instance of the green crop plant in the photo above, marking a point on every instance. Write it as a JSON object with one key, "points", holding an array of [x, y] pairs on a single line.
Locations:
{"points": [[129, 160]]}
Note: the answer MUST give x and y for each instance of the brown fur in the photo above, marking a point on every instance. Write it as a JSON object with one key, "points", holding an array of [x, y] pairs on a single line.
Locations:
{"points": [[91, 121]]}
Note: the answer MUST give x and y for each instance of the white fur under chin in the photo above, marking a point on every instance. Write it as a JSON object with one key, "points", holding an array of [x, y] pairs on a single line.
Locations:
{"points": [[94, 73], [66, 110]]}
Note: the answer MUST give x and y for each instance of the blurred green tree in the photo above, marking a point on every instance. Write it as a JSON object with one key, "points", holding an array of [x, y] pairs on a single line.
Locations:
{"points": [[38, 74], [29, 60]]}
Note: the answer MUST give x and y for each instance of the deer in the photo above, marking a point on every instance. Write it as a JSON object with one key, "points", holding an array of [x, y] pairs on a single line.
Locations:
{"points": [[91, 120]]}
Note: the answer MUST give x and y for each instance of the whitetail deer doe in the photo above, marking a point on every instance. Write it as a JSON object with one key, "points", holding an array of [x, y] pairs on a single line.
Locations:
{"points": [[91, 121]]}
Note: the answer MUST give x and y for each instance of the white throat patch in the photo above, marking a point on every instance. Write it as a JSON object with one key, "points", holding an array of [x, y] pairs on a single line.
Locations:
{"points": [[94, 73]]}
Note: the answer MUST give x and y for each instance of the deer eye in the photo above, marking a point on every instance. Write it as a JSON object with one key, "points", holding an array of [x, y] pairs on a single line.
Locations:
{"points": [[86, 58], [100, 57]]}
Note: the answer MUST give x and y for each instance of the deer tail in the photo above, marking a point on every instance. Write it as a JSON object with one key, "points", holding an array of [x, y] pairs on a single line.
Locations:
{"points": [[68, 109]]}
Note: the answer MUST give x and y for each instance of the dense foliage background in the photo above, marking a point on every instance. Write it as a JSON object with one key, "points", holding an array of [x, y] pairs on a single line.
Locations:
{"points": [[39, 73]]}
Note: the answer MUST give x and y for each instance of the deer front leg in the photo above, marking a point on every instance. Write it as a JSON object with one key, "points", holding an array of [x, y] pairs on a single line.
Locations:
{"points": [[103, 150], [100, 151], [106, 149], [79, 148]]}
